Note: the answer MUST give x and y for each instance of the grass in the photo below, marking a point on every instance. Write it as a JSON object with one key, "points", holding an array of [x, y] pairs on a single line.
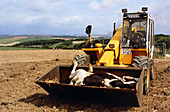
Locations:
{"points": [[32, 39], [18, 48], [8, 40], [54, 45], [168, 51]]}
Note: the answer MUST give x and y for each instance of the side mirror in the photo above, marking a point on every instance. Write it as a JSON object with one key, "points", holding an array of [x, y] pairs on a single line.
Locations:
{"points": [[88, 29]]}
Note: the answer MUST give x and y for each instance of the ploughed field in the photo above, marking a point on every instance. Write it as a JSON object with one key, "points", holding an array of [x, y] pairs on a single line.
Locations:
{"points": [[18, 92]]}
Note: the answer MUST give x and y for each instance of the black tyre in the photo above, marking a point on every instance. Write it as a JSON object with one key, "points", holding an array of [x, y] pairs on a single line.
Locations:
{"points": [[142, 61], [82, 59]]}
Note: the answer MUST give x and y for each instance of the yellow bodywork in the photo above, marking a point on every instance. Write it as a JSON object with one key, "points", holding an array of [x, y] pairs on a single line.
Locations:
{"points": [[112, 54], [131, 46], [94, 53], [107, 59]]}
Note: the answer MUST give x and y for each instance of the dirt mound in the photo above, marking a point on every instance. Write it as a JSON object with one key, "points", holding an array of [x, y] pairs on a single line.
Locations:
{"points": [[18, 92]]}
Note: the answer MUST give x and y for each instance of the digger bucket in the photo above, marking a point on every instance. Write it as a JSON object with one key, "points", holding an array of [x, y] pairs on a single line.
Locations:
{"points": [[56, 82]]}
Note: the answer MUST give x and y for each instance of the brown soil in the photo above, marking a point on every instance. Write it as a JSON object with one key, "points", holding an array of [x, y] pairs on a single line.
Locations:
{"points": [[19, 93]]}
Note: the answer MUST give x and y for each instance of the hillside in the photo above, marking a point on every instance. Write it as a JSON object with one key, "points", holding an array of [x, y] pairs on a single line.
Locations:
{"points": [[61, 42]]}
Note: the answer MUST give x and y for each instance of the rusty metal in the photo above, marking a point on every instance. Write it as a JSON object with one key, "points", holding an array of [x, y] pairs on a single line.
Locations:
{"points": [[56, 82]]}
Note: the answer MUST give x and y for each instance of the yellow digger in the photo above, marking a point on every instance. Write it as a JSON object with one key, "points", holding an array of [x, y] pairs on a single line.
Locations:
{"points": [[129, 53], [132, 45]]}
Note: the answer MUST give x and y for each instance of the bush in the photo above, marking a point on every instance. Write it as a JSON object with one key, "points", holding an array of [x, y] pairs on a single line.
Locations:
{"points": [[67, 44], [165, 40], [167, 51], [39, 42], [79, 46], [160, 38], [45, 47]]}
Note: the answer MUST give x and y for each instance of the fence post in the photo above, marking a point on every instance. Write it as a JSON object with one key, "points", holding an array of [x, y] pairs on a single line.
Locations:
{"points": [[164, 49]]}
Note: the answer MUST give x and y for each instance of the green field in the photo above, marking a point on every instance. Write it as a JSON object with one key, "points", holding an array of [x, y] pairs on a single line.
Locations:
{"points": [[8, 40], [33, 39], [18, 48], [54, 45]]}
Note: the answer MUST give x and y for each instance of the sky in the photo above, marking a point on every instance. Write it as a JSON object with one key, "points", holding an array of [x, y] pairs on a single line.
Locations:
{"points": [[70, 17]]}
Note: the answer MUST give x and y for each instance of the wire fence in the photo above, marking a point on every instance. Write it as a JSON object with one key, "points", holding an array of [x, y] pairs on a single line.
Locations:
{"points": [[160, 50]]}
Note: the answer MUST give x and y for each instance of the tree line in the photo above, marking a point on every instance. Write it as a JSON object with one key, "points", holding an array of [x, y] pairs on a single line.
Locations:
{"points": [[160, 38], [68, 44]]}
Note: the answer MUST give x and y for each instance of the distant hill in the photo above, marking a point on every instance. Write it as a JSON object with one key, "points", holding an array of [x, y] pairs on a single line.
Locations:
{"points": [[61, 41], [53, 36]]}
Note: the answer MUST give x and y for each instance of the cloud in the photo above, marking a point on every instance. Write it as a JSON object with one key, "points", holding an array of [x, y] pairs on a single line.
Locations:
{"points": [[106, 4], [71, 17], [160, 13], [70, 20], [23, 23], [43, 5]]}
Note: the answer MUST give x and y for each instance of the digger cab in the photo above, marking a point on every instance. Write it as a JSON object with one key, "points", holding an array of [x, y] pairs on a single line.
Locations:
{"points": [[137, 30], [137, 43]]}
